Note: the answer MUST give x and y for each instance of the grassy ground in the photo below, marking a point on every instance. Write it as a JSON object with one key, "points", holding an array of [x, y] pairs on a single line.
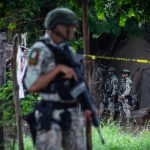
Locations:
{"points": [[116, 139]]}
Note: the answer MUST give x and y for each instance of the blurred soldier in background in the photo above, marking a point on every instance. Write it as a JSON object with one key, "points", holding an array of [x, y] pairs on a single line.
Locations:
{"points": [[110, 91], [97, 78], [97, 82], [124, 98]]}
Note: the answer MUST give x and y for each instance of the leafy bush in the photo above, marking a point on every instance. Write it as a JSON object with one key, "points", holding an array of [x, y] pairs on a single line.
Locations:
{"points": [[7, 102]]}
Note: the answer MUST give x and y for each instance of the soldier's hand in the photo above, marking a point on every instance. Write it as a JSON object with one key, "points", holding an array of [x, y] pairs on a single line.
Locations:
{"points": [[120, 98], [68, 72]]}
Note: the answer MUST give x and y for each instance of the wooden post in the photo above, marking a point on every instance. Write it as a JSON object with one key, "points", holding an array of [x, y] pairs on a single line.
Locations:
{"points": [[86, 66], [16, 93], [85, 27], [2, 74], [1, 131]]}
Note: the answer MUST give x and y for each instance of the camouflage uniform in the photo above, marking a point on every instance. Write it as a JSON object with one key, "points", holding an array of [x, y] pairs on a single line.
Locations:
{"points": [[97, 80], [41, 61], [110, 90], [125, 99]]}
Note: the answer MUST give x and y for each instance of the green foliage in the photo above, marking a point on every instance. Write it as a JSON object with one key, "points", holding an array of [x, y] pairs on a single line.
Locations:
{"points": [[6, 98], [77, 44], [26, 10], [12, 26], [104, 15], [28, 141], [7, 102], [28, 103], [123, 12]]}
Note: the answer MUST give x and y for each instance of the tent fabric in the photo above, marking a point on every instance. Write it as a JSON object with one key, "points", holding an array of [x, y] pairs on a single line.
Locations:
{"points": [[144, 93], [136, 48]]}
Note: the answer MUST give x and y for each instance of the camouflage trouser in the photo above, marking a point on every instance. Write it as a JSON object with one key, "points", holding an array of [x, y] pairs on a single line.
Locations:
{"points": [[111, 107], [109, 103], [125, 110], [56, 139], [103, 106]]}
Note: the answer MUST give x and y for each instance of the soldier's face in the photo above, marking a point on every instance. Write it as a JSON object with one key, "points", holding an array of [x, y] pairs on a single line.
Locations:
{"points": [[66, 31], [124, 75]]}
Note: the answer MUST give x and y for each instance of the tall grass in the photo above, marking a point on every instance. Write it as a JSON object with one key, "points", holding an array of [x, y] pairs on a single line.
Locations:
{"points": [[119, 139], [116, 139]]}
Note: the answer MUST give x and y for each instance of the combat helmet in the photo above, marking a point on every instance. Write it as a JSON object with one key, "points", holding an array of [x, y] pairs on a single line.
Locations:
{"points": [[125, 71], [111, 69], [63, 16]]}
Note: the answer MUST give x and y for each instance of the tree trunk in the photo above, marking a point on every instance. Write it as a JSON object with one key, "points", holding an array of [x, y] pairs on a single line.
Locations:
{"points": [[16, 93], [86, 66]]}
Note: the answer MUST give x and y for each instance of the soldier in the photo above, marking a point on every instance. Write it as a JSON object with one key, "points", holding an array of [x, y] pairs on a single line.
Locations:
{"points": [[125, 99], [64, 127], [110, 91], [97, 80]]}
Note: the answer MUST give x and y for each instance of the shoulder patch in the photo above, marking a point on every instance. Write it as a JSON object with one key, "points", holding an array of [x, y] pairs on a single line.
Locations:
{"points": [[33, 57]]}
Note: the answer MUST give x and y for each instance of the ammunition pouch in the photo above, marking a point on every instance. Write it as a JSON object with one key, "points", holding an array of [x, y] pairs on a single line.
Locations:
{"points": [[129, 98], [65, 120], [43, 114], [41, 118], [45, 110]]}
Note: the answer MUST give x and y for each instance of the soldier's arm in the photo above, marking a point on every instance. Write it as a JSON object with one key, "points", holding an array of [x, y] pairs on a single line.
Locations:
{"points": [[46, 78], [115, 86], [36, 77], [127, 89], [43, 80]]}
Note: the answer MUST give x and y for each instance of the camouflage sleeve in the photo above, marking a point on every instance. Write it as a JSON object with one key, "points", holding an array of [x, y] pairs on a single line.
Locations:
{"points": [[36, 60], [115, 86], [127, 88]]}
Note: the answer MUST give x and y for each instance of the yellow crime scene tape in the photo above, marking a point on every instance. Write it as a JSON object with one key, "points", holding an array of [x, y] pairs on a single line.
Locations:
{"points": [[94, 57]]}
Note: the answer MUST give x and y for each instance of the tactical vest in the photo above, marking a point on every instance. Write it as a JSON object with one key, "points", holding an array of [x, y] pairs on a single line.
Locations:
{"points": [[122, 85], [59, 84]]}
